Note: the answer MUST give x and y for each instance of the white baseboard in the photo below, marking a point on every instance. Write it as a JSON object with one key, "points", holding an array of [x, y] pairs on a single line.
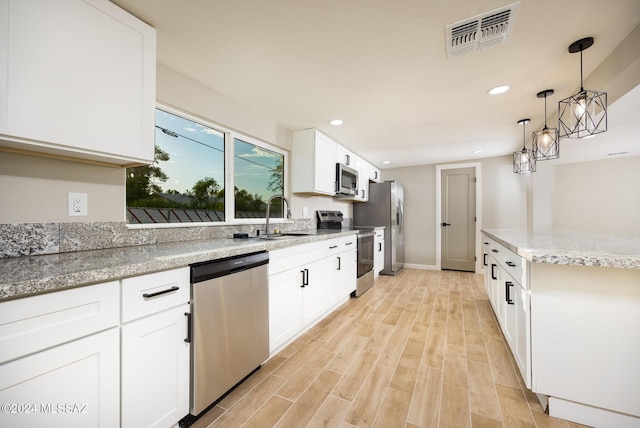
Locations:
{"points": [[589, 415], [422, 267]]}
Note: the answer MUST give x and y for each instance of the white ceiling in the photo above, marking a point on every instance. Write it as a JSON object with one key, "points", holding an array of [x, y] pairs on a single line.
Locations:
{"points": [[381, 66]]}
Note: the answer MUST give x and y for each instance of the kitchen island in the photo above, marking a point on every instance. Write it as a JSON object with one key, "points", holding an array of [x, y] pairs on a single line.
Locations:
{"points": [[583, 293]]}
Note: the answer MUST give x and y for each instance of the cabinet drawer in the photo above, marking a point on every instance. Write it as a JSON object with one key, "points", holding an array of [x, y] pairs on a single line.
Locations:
{"points": [[147, 294], [35, 323], [507, 259], [290, 257], [348, 243]]}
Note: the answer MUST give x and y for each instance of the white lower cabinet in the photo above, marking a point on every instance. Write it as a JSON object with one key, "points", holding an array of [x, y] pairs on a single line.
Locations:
{"points": [[297, 292], [155, 369], [305, 283], [154, 352], [506, 287], [71, 385], [61, 359]]}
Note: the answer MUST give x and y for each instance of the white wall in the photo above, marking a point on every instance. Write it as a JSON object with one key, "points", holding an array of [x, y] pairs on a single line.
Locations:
{"points": [[35, 189], [419, 211], [504, 203], [598, 196]]}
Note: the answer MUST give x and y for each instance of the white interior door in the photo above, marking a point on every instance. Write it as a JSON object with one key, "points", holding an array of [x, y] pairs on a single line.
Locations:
{"points": [[458, 224]]}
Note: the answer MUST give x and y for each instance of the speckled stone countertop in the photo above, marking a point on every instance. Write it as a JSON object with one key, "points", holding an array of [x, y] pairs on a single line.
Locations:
{"points": [[571, 247], [23, 276]]}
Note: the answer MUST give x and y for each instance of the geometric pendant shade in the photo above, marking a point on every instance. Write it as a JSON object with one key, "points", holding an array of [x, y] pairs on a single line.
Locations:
{"points": [[523, 161], [546, 142], [585, 113]]}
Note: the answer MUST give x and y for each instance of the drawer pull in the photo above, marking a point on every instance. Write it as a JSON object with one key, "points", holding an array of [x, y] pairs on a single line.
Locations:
{"points": [[332, 247], [158, 293], [494, 250], [484, 259], [493, 272], [510, 264], [339, 263], [508, 284], [349, 243]]}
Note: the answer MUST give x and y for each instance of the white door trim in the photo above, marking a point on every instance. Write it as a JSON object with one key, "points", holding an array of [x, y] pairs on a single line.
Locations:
{"points": [[478, 170]]}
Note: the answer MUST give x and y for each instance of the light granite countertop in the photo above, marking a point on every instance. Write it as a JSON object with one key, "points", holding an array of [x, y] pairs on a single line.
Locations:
{"points": [[28, 275], [567, 247]]}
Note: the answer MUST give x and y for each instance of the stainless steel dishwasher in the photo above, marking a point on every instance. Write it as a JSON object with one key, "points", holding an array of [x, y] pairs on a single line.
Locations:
{"points": [[229, 325]]}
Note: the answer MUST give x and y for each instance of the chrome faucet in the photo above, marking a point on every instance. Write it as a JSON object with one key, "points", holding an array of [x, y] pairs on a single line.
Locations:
{"points": [[269, 206]]}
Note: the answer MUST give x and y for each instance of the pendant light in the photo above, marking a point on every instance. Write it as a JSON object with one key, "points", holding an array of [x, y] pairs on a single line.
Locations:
{"points": [[545, 143], [585, 113], [523, 161]]}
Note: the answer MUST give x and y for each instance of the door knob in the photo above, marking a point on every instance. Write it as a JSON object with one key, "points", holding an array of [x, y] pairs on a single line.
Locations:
{"points": [[446, 224]]}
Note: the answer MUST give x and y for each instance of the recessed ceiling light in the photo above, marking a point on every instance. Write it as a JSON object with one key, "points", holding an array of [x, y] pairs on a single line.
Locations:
{"points": [[336, 122], [386, 162], [499, 90], [475, 152]]}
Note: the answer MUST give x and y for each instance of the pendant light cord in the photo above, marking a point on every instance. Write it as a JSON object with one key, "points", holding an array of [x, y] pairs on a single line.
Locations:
{"points": [[581, 84], [545, 110]]}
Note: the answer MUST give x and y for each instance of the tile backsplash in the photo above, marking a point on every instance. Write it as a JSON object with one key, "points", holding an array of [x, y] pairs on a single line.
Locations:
{"points": [[25, 239]]}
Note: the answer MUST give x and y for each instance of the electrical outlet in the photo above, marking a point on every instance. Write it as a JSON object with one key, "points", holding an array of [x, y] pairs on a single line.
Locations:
{"points": [[77, 204]]}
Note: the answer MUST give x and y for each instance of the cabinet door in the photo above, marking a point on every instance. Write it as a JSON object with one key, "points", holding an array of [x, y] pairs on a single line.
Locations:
{"points": [[285, 306], [494, 295], [313, 160], [522, 338], [509, 291], [378, 258], [332, 264], [345, 156], [78, 79], [71, 385], [348, 274], [314, 293], [155, 369]]}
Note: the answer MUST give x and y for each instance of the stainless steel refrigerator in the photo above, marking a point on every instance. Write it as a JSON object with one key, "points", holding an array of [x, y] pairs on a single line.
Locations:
{"points": [[385, 208]]}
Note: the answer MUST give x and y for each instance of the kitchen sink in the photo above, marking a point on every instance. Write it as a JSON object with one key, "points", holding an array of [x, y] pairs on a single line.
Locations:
{"points": [[286, 235]]}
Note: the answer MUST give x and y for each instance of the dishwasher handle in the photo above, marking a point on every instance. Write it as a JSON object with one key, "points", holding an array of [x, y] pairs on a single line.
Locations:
{"points": [[188, 315]]}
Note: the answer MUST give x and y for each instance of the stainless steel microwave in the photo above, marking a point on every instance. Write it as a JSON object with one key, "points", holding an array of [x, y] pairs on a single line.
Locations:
{"points": [[346, 180]]}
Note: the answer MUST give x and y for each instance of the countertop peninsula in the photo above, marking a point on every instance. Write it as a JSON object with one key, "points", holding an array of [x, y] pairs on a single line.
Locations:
{"points": [[28, 275], [567, 247]]}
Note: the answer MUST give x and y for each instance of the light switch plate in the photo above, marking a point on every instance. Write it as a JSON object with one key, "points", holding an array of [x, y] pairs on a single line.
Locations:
{"points": [[77, 204]]}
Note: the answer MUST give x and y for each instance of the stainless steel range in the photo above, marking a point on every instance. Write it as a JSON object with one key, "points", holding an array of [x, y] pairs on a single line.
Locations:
{"points": [[333, 220]]}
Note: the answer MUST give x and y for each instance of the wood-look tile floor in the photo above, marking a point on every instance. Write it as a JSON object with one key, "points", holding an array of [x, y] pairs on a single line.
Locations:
{"points": [[420, 349]]}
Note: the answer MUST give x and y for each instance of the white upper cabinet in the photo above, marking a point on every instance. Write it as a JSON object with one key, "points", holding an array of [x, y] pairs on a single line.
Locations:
{"points": [[313, 163], [373, 173], [346, 156], [77, 79]]}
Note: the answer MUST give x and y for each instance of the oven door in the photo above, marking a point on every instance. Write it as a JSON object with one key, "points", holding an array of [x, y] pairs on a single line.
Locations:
{"points": [[365, 253]]}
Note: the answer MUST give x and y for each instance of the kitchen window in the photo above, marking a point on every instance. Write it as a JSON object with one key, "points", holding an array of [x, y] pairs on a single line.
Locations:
{"points": [[194, 163]]}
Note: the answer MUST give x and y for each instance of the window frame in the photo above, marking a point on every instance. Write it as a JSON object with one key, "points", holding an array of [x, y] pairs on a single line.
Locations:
{"points": [[229, 173]]}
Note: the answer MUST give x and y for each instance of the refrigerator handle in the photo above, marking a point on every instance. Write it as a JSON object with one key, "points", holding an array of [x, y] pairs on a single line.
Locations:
{"points": [[400, 216]]}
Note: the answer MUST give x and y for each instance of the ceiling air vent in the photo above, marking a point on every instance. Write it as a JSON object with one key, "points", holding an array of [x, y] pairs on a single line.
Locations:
{"points": [[482, 31]]}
